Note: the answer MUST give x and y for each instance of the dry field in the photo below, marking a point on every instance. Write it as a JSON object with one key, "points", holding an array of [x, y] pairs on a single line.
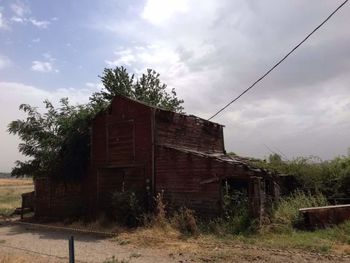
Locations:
{"points": [[10, 194], [15, 182], [25, 258]]}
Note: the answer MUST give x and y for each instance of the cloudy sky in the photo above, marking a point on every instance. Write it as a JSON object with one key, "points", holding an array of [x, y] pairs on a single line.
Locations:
{"points": [[209, 51]]}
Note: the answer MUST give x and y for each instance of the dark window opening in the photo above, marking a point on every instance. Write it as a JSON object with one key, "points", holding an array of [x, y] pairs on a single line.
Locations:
{"points": [[234, 196]]}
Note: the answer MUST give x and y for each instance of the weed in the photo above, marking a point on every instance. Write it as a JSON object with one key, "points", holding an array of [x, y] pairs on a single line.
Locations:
{"points": [[235, 219], [185, 221], [126, 208], [286, 212], [135, 255], [113, 259], [121, 242], [124, 242], [160, 213]]}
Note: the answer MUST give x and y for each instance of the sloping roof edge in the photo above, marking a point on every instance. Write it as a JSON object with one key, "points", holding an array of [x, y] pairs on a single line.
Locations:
{"points": [[221, 157], [165, 110]]}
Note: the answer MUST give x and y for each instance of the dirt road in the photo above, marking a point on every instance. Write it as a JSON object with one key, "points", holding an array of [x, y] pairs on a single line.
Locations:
{"points": [[30, 244]]}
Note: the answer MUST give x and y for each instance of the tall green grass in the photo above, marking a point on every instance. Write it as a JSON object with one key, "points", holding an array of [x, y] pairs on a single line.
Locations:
{"points": [[285, 214]]}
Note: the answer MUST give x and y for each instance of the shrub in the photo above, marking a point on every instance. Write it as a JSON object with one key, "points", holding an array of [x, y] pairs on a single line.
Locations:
{"points": [[185, 221], [235, 203], [286, 212], [158, 216], [160, 213], [126, 208], [235, 219], [113, 259]]}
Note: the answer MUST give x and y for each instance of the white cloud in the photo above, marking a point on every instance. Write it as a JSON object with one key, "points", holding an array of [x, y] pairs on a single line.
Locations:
{"points": [[124, 57], [17, 19], [20, 9], [159, 11], [21, 16], [94, 86], [4, 62], [40, 24], [42, 66], [36, 40], [156, 56], [45, 66], [3, 23]]}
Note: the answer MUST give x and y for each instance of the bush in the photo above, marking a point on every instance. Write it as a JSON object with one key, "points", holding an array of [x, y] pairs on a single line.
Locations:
{"points": [[286, 212], [160, 213], [236, 218], [235, 203], [126, 208], [185, 221], [331, 178], [113, 259]]}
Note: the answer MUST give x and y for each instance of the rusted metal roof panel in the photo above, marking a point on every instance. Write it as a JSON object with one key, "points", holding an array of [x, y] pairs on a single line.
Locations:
{"points": [[324, 216]]}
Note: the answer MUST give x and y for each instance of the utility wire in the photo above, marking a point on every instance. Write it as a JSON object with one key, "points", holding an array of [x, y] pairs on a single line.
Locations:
{"points": [[279, 62]]}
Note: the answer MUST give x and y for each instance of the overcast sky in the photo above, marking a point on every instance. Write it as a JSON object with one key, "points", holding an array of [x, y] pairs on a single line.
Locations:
{"points": [[209, 51]]}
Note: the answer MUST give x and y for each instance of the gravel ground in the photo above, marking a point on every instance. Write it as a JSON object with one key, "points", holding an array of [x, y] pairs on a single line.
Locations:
{"points": [[30, 244]]}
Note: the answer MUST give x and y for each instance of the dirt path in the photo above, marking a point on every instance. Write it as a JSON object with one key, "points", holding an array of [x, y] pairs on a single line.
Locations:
{"points": [[29, 244]]}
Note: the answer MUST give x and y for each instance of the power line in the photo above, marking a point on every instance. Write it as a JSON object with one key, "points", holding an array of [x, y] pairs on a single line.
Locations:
{"points": [[279, 62]]}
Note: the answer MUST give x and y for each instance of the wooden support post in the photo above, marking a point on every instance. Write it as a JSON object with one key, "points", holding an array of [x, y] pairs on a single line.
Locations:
{"points": [[257, 197], [71, 249]]}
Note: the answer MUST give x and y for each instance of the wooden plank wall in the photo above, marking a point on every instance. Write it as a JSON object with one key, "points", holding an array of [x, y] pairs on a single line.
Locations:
{"points": [[58, 199], [121, 138], [192, 181], [113, 180], [188, 131]]}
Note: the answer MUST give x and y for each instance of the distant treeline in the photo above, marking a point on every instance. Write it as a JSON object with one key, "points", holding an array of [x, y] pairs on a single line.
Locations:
{"points": [[5, 175]]}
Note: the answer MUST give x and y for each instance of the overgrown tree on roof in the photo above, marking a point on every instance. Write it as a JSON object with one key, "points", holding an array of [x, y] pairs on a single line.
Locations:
{"points": [[148, 88], [57, 142]]}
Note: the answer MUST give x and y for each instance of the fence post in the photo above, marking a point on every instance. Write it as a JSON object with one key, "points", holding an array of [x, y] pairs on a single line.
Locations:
{"points": [[71, 249]]}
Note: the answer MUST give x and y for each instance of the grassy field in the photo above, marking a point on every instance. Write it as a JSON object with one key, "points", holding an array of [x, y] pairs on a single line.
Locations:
{"points": [[10, 194]]}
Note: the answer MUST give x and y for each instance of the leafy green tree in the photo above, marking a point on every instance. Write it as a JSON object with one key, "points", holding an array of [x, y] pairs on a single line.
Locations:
{"points": [[148, 88], [56, 142], [116, 81]]}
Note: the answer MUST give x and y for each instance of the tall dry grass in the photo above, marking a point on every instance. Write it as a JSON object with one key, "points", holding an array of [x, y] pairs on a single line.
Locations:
{"points": [[10, 197], [15, 182]]}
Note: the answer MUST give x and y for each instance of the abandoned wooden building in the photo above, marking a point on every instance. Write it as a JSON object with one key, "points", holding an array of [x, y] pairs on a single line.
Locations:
{"points": [[140, 148]]}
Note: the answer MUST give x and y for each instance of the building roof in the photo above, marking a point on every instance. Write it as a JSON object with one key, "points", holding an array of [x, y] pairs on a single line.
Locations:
{"points": [[166, 110], [220, 157]]}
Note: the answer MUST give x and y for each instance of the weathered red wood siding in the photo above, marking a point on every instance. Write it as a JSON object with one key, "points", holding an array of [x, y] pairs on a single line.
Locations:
{"points": [[54, 199], [41, 196], [192, 181], [188, 131], [121, 146]]}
